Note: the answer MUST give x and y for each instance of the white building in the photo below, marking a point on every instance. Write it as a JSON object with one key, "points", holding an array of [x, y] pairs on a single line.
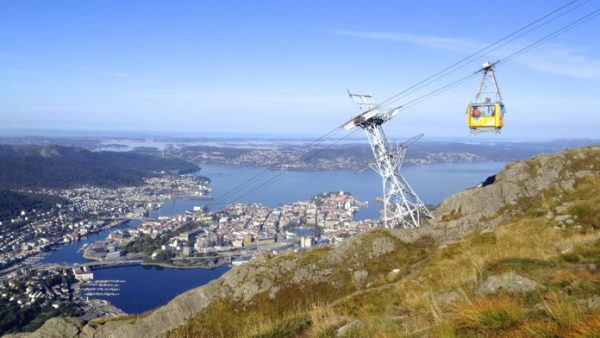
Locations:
{"points": [[83, 273]]}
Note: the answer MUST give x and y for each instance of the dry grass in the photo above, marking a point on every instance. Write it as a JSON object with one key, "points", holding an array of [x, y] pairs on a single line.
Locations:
{"points": [[128, 318], [461, 266], [491, 316]]}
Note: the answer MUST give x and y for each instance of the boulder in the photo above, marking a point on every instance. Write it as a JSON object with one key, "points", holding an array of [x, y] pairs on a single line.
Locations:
{"points": [[508, 282], [342, 331]]}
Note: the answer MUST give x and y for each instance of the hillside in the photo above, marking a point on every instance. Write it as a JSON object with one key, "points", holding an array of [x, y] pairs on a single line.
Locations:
{"points": [[12, 203], [51, 166], [516, 258]]}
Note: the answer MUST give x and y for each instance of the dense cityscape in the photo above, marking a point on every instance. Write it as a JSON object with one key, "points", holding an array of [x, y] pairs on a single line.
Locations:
{"points": [[197, 238]]}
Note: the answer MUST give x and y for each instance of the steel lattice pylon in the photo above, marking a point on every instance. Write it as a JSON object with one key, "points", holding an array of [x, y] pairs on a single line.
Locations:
{"points": [[401, 205]]}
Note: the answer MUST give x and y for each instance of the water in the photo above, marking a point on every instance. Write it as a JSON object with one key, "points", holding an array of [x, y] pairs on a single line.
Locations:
{"points": [[175, 207], [432, 183], [73, 253], [145, 288]]}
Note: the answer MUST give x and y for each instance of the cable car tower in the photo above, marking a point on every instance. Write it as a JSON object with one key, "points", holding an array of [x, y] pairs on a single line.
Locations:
{"points": [[401, 205]]}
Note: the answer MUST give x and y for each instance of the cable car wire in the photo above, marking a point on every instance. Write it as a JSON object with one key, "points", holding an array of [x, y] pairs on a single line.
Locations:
{"points": [[269, 169], [282, 173], [430, 94], [551, 36], [511, 56], [462, 62]]}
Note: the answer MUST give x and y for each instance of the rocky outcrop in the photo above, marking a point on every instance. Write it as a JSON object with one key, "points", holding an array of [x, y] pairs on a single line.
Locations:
{"points": [[508, 282], [57, 328], [381, 246], [487, 206]]}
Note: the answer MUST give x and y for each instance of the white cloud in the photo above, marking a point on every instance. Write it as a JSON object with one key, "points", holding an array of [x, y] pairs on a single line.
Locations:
{"points": [[429, 41], [548, 58], [556, 59]]}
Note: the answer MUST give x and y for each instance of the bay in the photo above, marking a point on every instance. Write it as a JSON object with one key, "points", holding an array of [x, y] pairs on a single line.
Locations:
{"points": [[147, 287], [432, 183], [73, 252]]}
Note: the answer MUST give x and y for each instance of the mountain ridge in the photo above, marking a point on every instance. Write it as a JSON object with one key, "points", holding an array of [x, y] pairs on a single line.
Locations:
{"points": [[53, 166]]}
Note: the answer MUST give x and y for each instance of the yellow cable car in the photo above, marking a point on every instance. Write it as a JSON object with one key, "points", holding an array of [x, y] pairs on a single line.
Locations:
{"points": [[485, 114]]}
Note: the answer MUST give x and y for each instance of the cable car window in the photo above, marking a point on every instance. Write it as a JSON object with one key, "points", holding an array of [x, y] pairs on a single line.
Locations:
{"points": [[476, 111], [491, 110]]}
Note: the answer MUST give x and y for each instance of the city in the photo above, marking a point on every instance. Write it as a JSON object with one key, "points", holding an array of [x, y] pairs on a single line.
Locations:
{"points": [[197, 238]]}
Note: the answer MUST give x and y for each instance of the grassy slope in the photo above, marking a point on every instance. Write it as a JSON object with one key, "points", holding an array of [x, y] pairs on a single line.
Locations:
{"points": [[565, 262]]}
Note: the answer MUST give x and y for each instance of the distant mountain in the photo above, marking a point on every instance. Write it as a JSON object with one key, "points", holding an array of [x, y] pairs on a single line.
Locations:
{"points": [[12, 203], [356, 156], [52, 166]]}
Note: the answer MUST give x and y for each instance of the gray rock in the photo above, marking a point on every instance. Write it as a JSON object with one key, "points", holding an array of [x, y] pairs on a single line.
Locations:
{"points": [[509, 282], [482, 207], [563, 208], [342, 331], [590, 303], [448, 298], [382, 246], [359, 278], [56, 328], [562, 218]]}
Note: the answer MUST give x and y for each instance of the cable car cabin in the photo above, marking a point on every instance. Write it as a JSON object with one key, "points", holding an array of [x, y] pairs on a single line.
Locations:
{"points": [[486, 112], [485, 117]]}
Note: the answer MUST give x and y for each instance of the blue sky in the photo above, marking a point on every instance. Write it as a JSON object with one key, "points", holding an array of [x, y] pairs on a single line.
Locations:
{"points": [[283, 67]]}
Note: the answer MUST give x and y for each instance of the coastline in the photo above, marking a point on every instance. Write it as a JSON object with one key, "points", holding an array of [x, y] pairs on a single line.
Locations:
{"points": [[171, 266]]}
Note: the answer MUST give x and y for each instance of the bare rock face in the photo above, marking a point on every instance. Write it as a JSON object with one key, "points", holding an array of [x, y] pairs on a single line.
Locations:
{"points": [[344, 249], [487, 206], [56, 328], [508, 282]]}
